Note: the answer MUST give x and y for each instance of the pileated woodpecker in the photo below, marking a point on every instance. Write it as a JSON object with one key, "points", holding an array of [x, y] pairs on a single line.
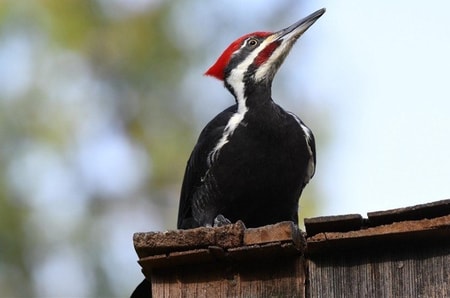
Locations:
{"points": [[252, 161]]}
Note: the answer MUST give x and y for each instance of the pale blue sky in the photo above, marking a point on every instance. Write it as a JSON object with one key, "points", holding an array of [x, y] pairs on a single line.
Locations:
{"points": [[384, 68]]}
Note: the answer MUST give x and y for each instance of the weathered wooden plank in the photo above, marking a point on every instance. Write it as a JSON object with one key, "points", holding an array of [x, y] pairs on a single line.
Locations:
{"points": [[263, 251], [177, 258], [154, 243], [412, 231], [171, 248], [283, 231], [404, 271], [280, 277], [422, 211], [346, 257], [336, 223], [215, 253]]}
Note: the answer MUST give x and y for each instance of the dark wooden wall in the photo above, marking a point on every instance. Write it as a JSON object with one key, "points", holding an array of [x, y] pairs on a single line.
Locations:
{"points": [[405, 271], [395, 253], [282, 277]]}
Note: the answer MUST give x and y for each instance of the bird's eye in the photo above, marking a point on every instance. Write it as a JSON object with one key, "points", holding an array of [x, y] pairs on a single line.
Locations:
{"points": [[252, 42]]}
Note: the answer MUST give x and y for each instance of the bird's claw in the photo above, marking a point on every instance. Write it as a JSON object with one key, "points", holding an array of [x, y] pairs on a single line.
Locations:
{"points": [[221, 220]]}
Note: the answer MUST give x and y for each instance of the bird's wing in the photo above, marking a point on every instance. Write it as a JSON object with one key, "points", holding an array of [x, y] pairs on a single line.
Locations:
{"points": [[197, 165], [311, 143]]}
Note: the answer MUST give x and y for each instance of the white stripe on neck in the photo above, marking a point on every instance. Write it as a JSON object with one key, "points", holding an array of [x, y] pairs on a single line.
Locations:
{"points": [[236, 80], [233, 122]]}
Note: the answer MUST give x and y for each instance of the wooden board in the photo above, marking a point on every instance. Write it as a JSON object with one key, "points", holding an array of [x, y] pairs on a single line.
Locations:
{"points": [[336, 223], [414, 231], [173, 248], [403, 252], [281, 277], [422, 211], [404, 271]]}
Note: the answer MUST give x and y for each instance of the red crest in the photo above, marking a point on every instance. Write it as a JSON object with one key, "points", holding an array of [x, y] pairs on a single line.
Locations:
{"points": [[217, 70]]}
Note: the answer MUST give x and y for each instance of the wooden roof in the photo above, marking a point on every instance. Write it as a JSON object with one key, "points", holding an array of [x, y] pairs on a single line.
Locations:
{"points": [[425, 222], [323, 234]]}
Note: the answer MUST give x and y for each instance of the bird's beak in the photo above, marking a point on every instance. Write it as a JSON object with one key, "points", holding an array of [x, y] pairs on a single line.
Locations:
{"points": [[276, 46], [293, 32]]}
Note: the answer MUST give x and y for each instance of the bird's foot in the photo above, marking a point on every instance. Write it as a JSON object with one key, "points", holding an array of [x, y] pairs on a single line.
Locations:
{"points": [[221, 220]]}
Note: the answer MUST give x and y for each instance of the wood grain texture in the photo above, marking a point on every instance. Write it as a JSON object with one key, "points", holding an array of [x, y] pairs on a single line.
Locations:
{"points": [[282, 277], [283, 231], [406, 255], [154, 243], [400, 272], [385, 235], [335, 223], [422, 211]]}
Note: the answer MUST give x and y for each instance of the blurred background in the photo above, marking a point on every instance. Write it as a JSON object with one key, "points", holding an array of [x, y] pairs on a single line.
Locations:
{"points": [[101, 102]]}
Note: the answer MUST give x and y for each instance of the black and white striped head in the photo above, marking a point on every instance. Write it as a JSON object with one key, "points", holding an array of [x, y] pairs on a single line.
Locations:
{"points": [[255, 58]]}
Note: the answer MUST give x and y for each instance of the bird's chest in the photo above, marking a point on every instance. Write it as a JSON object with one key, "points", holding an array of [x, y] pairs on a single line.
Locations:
{"points": [[262, 145]]}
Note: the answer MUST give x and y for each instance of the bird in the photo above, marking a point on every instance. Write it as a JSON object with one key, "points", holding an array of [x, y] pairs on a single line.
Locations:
{"points": [[252, 161]]}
